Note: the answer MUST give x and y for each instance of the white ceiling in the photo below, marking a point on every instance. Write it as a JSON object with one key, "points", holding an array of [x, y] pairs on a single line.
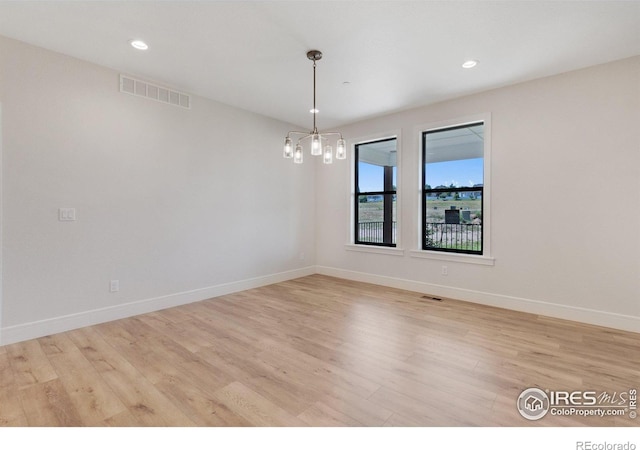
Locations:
{"points": [[395, 54]]}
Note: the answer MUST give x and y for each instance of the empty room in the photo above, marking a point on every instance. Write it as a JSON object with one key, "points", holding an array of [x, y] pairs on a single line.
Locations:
{"points": [[320, 214]]}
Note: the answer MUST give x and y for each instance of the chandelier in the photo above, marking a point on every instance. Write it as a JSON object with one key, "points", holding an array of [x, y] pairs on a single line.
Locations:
{"points": [[316, 138]]}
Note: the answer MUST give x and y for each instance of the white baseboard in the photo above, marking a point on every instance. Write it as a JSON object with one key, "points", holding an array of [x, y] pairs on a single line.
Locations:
{"points": [[32, 330], [576, 314]]}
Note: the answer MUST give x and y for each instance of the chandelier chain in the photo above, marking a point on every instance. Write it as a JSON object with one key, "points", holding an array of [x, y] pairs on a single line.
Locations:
{"points": [[315, 111]]}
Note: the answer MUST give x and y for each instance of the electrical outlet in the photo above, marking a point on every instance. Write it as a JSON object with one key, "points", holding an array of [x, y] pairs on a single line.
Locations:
{"points": [[445, 271], [66, 214], [301, 256], [114, 286]]}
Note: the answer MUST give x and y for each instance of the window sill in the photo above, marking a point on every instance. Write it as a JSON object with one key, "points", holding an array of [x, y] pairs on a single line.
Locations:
{"points": [[453, 257], [374, 249]]}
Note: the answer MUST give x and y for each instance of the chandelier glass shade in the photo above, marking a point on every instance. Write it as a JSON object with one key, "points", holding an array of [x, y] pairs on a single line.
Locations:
{"points": [[318, 142]]}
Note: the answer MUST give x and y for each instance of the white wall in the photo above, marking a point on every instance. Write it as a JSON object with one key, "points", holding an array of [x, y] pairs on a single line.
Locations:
{"points": [[565, 200], [1, 233], [174, 203]]}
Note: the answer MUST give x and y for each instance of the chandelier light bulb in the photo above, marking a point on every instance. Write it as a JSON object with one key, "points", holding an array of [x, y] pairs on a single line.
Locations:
{"points": [[341, 149], [297, 155], [316, 145], [328, 155], [288, 148]]}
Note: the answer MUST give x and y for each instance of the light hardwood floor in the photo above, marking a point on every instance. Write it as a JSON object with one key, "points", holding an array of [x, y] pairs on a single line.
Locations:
{"points": [[316, 351]]}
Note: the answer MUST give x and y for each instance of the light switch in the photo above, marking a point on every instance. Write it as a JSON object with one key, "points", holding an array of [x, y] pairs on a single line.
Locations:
{"points": [[66, 214]]}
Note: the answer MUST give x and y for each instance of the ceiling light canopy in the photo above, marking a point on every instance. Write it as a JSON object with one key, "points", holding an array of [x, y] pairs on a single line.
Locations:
{"points": [[139, 45], [316, 138], [469, 63]]}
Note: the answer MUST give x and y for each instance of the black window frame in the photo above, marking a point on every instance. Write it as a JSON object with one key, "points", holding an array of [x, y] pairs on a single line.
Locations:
{"points": [[387, 194], [426, 192]]}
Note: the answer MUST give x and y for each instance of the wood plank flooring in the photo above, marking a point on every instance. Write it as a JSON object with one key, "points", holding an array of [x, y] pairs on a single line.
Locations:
{"points": [[316, 351]]}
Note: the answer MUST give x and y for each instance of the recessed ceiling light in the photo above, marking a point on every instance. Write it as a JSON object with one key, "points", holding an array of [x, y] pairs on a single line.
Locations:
{"points": [[139, 45], [469, 64]]}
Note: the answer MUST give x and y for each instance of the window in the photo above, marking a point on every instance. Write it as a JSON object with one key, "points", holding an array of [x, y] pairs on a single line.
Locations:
{"points": [[375, 199], [453, 188]]}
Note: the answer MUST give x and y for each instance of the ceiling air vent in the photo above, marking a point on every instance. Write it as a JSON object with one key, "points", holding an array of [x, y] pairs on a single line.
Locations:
{"points": [[140, 88]]}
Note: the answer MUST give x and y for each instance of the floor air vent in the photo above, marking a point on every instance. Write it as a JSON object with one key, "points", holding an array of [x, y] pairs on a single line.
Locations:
{"points": [[428, 297], [133, 86]]}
